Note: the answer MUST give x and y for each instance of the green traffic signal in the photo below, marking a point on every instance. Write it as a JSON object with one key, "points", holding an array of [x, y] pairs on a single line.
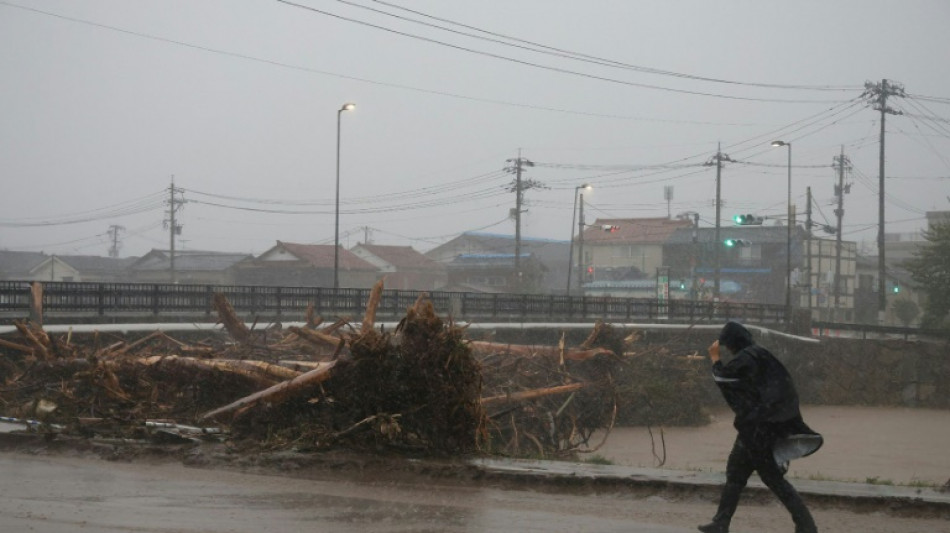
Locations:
{"points": [[730, 243]]}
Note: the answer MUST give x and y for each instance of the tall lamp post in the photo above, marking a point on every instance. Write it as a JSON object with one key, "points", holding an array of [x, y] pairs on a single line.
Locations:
{"points": [[336, 226], [788, 243], [570, 263]]}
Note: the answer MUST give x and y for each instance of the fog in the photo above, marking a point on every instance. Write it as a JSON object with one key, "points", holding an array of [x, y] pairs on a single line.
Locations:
{"points": [[105, 101]]}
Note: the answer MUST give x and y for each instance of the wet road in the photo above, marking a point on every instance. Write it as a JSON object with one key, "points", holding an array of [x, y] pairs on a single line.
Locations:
{"points": [[59, 494]]}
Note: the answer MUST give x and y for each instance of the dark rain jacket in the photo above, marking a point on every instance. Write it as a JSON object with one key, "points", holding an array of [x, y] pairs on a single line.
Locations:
{"points": [[761, 393]]}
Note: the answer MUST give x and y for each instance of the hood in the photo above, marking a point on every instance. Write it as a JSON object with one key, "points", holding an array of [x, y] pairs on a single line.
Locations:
{"points": [[735, 337]]}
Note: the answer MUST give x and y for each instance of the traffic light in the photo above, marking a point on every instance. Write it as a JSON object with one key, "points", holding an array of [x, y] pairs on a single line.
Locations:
{"points": [[610, 228], [732, 243], [897, 287], [590, 273], [748, 220]]}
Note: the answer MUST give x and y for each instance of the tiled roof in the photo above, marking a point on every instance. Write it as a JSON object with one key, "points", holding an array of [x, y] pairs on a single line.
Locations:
{"points": [[633, 230], [188, 260], [89, 263], [403, 257], [19, 263], [321, 256]]}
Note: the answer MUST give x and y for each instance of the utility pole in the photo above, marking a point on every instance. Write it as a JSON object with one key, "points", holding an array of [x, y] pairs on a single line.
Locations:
{"points": [[877, 95], [518, 187], [668, 196], [174, 204], [842, 163], [718, 160], [580, 247], [694, 289], [114, 237], [808, 269]]}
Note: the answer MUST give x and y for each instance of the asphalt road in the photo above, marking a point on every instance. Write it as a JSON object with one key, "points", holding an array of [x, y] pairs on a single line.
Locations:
{"points": [[58, 494]]}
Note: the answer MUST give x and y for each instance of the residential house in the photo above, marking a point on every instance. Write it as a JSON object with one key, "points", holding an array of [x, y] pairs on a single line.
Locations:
{"points": [[83, 268], [817, 289], [753, 265], [290, 264], [615, 255], [16, 266], [403, 267], [190, 267], [486, 262], [494, 273]]}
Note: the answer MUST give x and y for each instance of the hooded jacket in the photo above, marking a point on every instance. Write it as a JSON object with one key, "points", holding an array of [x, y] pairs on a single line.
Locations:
{"points": [[761, 393]]}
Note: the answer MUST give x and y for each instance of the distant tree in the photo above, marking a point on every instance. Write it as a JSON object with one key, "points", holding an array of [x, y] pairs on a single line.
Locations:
{"points": [[905, 310], [930, 268]]}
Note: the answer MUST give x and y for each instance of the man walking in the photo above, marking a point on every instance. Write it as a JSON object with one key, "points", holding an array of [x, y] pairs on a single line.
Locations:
{"points": [[770, 428]]}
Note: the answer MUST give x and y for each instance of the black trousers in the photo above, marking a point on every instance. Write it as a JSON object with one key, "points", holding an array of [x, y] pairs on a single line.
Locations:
{"points": [[756, 456]]}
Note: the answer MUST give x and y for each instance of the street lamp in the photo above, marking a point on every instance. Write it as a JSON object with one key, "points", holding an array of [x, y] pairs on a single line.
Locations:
{"points": [[336, 227], [788, 243], [570, 263]]}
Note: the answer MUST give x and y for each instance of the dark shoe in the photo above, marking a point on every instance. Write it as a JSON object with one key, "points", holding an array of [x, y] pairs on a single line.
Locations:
{"points": [[714, 527]]}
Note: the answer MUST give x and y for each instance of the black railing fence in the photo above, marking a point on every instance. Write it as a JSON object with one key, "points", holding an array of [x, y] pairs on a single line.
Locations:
{"points": [[65, 302]]}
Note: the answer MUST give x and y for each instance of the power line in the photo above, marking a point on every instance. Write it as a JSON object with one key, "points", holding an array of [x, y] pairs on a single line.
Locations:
{"points": [[132, 207], [560, 52], [300, 68], [546, 67]]}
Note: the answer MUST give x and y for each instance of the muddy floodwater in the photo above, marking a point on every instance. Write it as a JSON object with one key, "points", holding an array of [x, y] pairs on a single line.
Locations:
{"points": [[865, 444]]}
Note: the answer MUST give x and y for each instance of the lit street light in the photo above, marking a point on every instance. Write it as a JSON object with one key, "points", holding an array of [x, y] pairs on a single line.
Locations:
{"points": [[336, 227], [570, 263], [788, 244]]}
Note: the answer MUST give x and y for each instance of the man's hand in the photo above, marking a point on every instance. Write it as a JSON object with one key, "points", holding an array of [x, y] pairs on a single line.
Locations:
{"points": [[714, 351]]}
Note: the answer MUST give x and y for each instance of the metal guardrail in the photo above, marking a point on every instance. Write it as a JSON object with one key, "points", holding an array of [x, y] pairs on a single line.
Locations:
{"points": [[65, 302]]}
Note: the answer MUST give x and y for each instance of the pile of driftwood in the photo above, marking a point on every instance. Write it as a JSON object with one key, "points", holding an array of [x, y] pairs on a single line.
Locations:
{"points": [[421, 386]]}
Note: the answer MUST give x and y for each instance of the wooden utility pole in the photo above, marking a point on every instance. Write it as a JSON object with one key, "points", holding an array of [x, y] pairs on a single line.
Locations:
{"points": [[518, 187], [174, 228], [842, 164], [581, 270], [114, 237], [877, 95], [808, 269], [717, 160]]}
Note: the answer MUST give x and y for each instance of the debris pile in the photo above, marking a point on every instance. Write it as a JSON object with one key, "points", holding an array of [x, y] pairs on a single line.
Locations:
{"points": [[421, 387]]}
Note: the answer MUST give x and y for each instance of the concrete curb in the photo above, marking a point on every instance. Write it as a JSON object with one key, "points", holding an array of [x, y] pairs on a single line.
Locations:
{"points": [[864, 497]]}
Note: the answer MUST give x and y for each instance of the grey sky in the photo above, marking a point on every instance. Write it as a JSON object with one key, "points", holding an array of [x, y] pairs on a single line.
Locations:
{"points": [[104, 100]]}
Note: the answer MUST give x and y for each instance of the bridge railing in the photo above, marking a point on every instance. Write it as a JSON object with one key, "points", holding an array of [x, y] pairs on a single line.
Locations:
{"points": [[64, 302]]}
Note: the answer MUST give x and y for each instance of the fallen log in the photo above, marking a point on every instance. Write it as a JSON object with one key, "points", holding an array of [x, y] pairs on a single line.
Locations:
{"points": [[26, 331], [524, 350], [15, 346], [253, 369], [234, 325], [277, 393], [534, 394], [317, 337], [302, 366], [125, 349], [369, 319]]}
